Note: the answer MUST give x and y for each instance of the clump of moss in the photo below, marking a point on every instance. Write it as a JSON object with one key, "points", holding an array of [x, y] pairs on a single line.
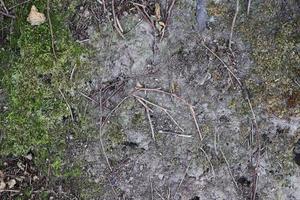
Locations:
{"points": [[37, 113], [276, 58]]}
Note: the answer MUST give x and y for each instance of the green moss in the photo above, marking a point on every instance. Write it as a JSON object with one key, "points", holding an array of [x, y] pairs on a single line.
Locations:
{"points": [[277, 61], [32, 78], [115, 135], [138, 119]]}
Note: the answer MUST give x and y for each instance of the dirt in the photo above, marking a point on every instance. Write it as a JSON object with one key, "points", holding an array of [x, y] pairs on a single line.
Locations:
{"points": [[179, 165], [168, 120]]}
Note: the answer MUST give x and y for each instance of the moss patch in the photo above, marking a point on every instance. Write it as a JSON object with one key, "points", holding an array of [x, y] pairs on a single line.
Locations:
{"points": [[37, 117], [272, 32]]}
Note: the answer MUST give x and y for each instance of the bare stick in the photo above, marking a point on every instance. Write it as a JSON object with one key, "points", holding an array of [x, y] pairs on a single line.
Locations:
{"points": [[233, 23], [228, 167], [68, 105], [224, 64], [51, 30], [211, 165], [248, 7]]}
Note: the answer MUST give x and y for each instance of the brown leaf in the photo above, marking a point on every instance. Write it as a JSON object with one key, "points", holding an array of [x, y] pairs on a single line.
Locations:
{"points": [[35, 18]]}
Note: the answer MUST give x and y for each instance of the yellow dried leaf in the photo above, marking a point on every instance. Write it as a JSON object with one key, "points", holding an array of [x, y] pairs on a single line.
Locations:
{"points": [[157, 11], [35, 18]]}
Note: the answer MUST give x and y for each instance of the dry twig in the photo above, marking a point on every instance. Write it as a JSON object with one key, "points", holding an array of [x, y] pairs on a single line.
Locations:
{"points": [[191, 108], [117, 24], [228, 167]]}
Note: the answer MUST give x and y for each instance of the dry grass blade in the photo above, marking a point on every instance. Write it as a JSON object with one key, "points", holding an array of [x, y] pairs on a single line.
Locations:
{"points": [[211, 165], [162, 108], [195, 121], [228, 167], [248, 7], [113, 110], [67, 103], [233, 23], [8, 15], [151, 125], [181, 181], [51, 30], [116, 22], [158, 90]]}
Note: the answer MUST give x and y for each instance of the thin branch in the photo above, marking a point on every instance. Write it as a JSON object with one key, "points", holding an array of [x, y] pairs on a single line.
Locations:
{"points": [[51, 30], [233, 22]]}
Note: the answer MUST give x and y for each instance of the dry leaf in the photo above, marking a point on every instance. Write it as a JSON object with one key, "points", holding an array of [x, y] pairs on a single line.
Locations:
{"points": [[2, 185], [35, 18], [157, 11], [11, 183], [139, 85]]}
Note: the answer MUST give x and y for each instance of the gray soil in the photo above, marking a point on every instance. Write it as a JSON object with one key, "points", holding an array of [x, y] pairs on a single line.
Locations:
{"points": [[176, 163]]}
